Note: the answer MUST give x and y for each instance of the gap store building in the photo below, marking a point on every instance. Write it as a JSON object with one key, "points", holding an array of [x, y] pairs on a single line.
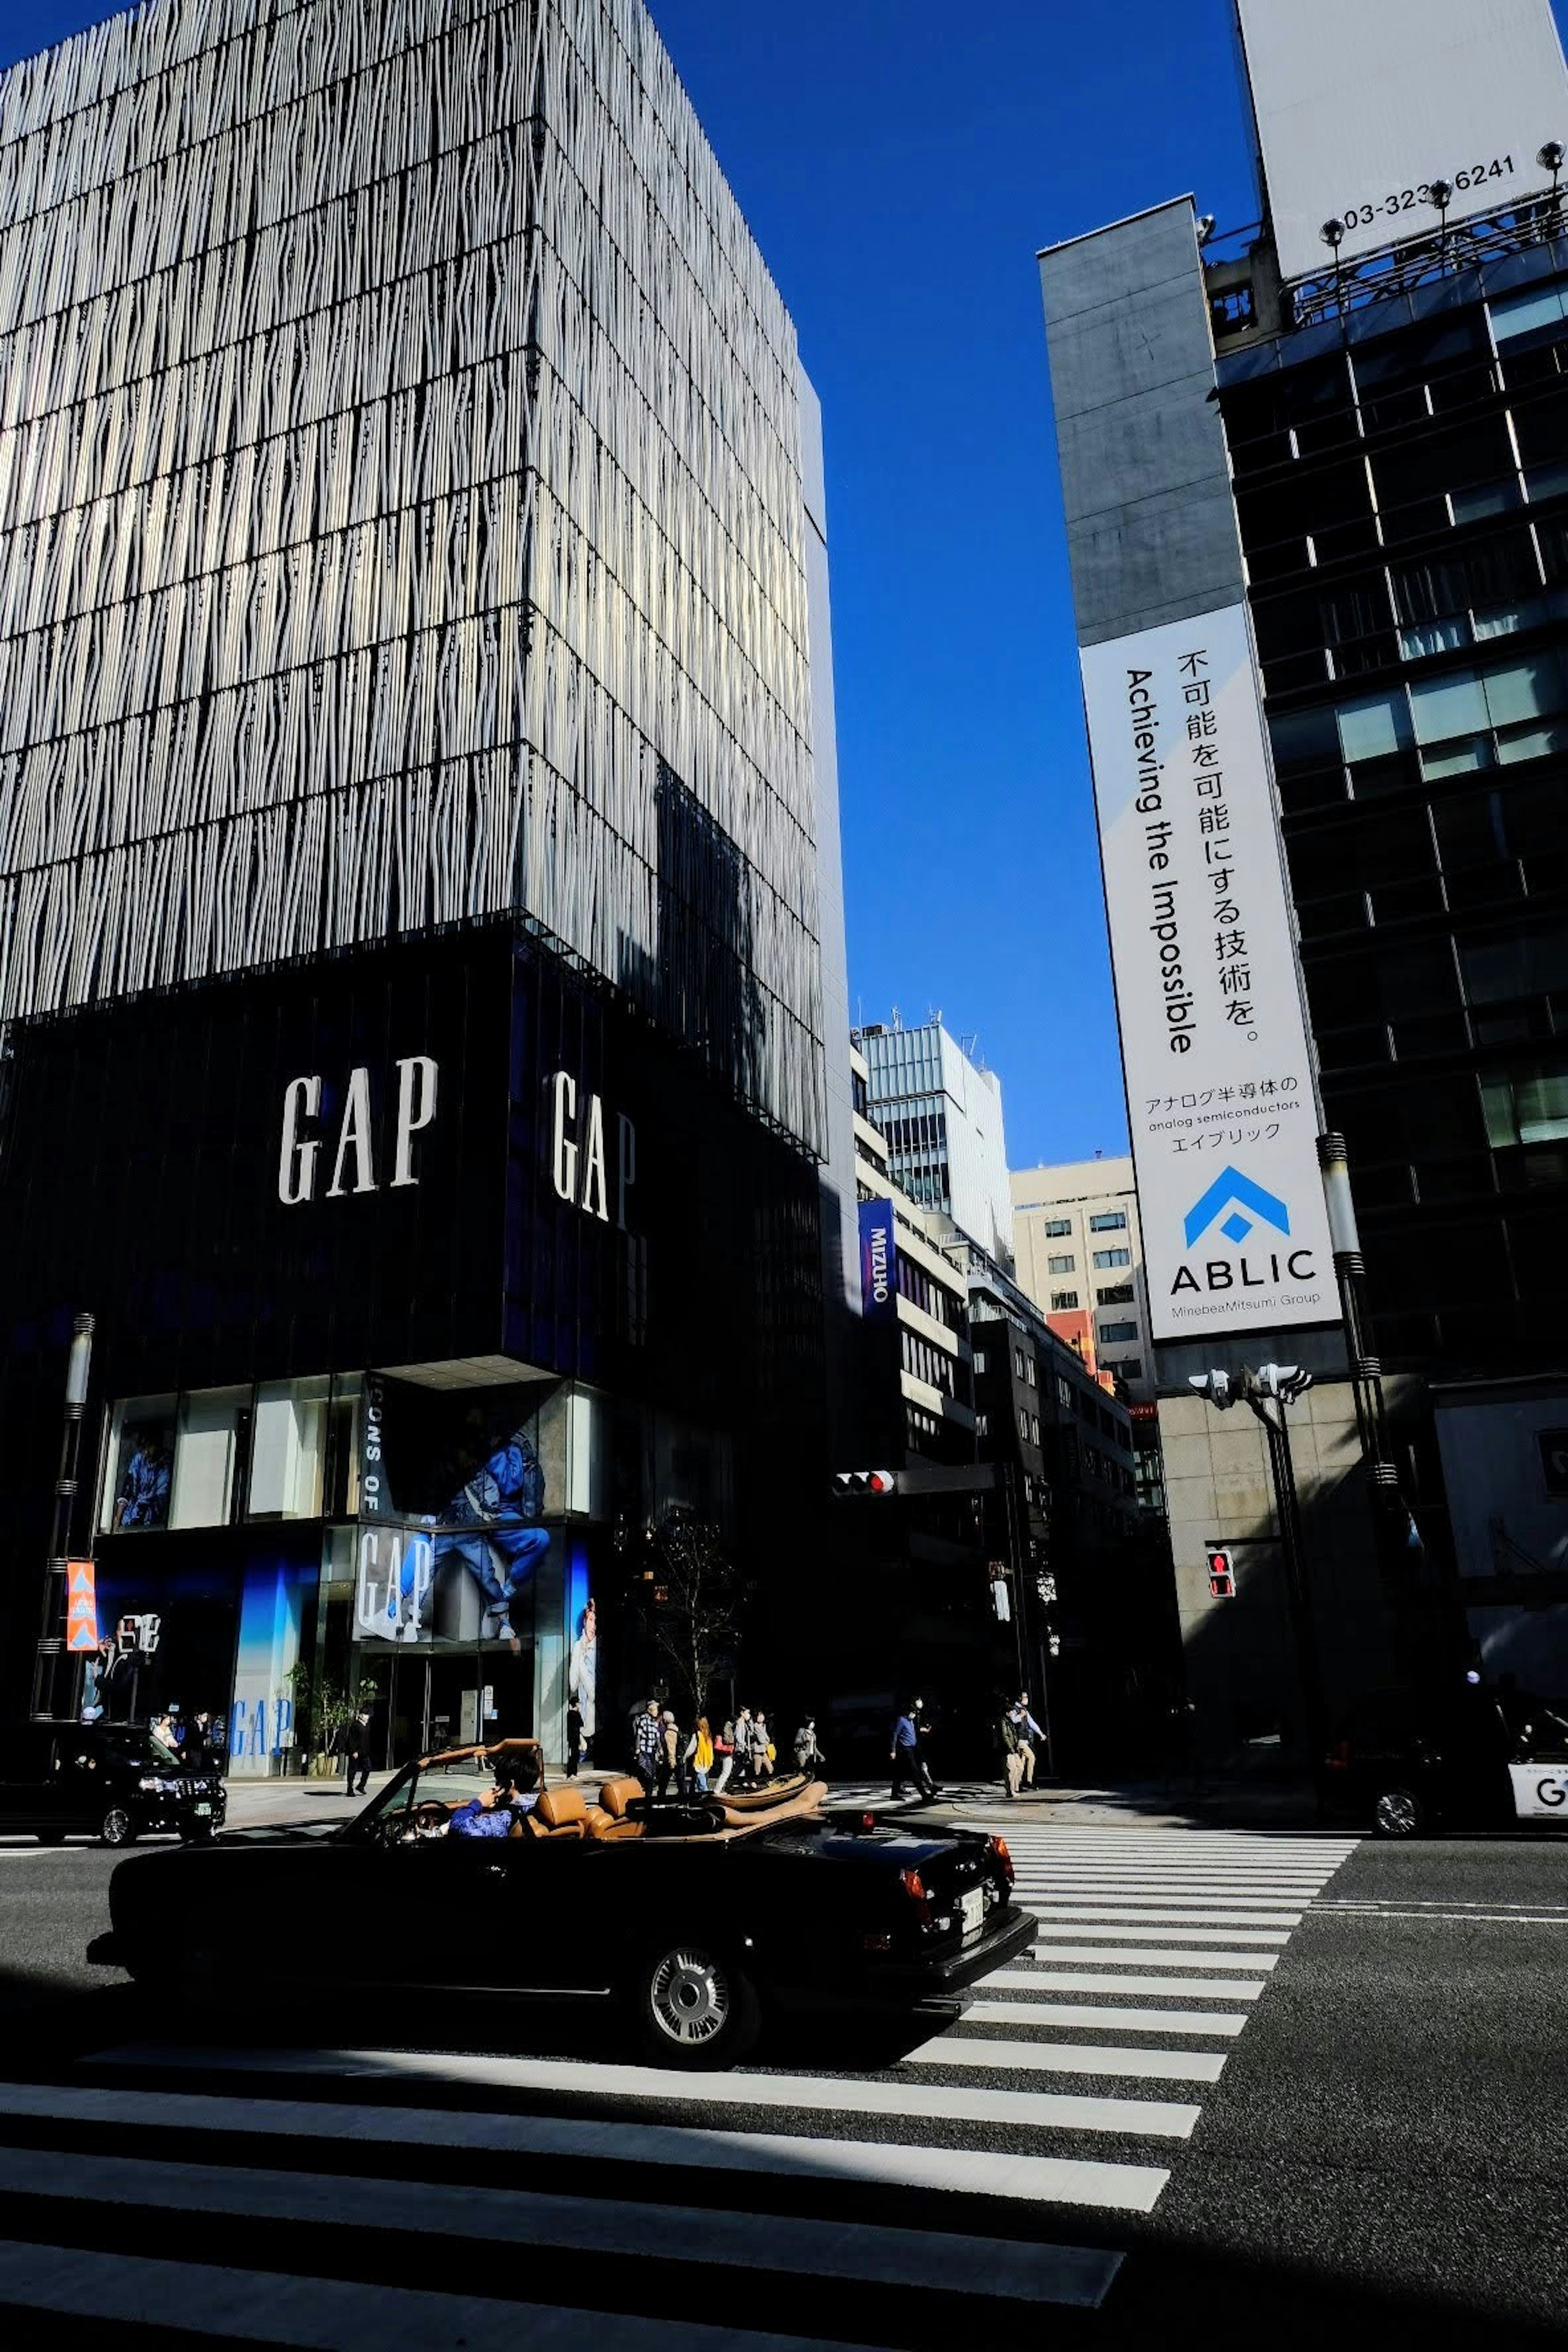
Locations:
{"points": [[404, 1269], [420, 903]]}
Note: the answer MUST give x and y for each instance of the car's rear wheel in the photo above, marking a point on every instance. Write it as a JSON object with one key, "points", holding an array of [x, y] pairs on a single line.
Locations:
{"points": [[118, 1829], [695, 2007], [1398, 1814]]}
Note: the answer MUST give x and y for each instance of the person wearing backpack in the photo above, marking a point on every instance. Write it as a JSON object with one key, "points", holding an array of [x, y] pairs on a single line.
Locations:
{"points": [[699, 1757], [724, 1758], [808, 1756]]}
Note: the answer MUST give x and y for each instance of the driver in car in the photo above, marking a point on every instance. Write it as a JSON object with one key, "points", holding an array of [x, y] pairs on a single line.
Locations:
{"points": [[515, 1793]]}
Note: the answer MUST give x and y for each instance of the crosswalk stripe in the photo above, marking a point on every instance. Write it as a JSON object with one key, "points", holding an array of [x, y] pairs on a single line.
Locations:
{"points": [[1059, 1979], [871, 2254], [1034, 2180], [1101, 2016], [1053, 1928], [1086, 1913], [907, 2101], [1140, 1955], [237, 2306], [1070, 2058]]}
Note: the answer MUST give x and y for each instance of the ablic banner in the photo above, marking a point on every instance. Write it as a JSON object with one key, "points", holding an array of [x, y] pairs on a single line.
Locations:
{"points": [[1220, 1096]]}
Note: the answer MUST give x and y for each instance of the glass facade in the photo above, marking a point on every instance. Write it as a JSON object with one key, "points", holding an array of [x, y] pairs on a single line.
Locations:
{"points": [[437, 425], [1402, 496]]}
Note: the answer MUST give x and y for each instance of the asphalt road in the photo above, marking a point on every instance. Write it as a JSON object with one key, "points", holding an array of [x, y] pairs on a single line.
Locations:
{"points": [[1384, 2147]]}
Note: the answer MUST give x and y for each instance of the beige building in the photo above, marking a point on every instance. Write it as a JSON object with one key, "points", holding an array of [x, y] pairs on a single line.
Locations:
{"points": [[1081, 1251]]}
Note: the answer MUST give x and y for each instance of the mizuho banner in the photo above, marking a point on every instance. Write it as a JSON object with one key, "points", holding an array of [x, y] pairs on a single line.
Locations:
{"points": [[878, 1262], [1214, 1043], [1363, 105]]}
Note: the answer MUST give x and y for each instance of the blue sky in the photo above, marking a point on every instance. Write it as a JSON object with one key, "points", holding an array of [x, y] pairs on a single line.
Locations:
{"points": [[900, 164]]}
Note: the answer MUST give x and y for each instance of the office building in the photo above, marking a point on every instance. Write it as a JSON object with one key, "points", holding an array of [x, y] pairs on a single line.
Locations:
{"points": [[419, 876], [1013, 1551], [1316, 523], [940, 1113], [1080, 1253]]}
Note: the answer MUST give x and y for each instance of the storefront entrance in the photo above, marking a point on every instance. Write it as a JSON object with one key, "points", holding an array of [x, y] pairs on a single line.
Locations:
{"points": [[451, 1696]]}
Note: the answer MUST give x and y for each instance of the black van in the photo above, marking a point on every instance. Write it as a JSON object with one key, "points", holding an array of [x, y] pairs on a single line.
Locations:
{"points": [[109, 1780]]}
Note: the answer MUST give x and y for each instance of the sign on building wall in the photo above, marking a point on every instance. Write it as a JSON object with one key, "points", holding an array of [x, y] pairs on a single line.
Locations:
{"points": [[878, 1263], [1214, 1041], [1362, 105]]}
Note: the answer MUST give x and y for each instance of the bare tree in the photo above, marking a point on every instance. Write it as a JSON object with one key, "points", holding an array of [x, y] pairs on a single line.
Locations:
{"points": [[694, 1614]]}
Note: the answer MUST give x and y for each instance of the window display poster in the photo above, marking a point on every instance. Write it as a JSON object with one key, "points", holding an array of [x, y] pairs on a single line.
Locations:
{"points": [[271, 1620], [207, 1625], [476, 1467], [583, 1663], [142, 1473]]}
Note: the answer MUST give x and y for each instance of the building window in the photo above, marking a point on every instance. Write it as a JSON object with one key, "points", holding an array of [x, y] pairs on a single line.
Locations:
{"points": [[139, 1472], [1056, 1228], [981, 1425], [1030, 1373], [1023, 1425], [980, 1360], [1115, 1294], [1063, 1301], [1034, 1429], [1129, 1368], [1113, 1333], [1541, 309], [1064, 1392], [1063, 1264], [1106, 1259], [215, 1425], [1526, 1106], [1018, 1361], [1108, 1221]]}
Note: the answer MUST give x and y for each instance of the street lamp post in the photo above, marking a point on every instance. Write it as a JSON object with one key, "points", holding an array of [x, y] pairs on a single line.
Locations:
{"points": [[1268, 1391]]}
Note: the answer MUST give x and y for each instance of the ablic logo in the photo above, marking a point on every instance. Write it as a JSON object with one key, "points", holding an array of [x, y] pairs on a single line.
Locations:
{"points": [[1238, 1205], [1234, 1186]]}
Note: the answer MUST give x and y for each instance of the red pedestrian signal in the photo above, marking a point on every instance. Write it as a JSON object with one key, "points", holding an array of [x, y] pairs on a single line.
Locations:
{"points": [[1221, 1572]]}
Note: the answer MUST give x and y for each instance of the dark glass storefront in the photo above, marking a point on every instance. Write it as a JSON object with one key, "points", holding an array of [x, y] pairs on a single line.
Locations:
{"points": [[422, 1278]]}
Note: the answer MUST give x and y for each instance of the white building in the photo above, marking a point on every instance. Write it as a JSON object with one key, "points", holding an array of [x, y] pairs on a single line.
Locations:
{"points": [[935, 1369], [940, 1114], [1081, 1251]]}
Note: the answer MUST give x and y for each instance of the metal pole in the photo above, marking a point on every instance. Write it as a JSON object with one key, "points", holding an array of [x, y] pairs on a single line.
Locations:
{"points": [[1287, 1511], [51, 1633]]}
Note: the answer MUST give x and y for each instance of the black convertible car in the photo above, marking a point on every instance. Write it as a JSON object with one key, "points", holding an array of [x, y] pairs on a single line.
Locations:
{"points": [[693, 1915]]}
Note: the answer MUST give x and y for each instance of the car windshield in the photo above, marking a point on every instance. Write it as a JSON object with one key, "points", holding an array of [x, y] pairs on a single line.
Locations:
{"points": [[141, 1748]]}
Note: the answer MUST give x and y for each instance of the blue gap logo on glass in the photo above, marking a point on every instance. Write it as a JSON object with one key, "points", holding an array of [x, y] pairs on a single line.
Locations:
{"points": [[1239, 1194]]}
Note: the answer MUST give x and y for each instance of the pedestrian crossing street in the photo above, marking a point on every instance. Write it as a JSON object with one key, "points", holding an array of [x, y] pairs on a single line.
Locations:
{"points": [[380, 2194]]}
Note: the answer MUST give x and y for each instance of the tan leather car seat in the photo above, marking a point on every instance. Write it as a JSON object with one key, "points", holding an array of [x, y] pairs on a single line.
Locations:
{"points": [[608, 1819], [560, 1814]]}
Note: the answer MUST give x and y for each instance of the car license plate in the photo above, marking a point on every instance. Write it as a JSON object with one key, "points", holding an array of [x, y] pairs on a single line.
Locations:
{"points": [[202, 1809], [973, 1911]]}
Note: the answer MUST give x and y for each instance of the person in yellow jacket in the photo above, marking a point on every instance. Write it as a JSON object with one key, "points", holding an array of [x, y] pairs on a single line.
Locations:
{"points": [[698, 1756]]}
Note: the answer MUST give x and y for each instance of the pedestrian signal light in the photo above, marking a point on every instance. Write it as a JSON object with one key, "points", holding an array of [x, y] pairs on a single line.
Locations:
{"points": [[1221, 1572], [865, 1482]]}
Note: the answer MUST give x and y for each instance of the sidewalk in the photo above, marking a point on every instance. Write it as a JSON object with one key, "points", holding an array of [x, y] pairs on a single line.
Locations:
{"points": [[1158, 1803]]}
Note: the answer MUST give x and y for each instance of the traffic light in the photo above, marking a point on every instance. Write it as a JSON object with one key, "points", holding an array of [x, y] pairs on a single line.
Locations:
{"points": [[1221, 1572], [865, 1482]]}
